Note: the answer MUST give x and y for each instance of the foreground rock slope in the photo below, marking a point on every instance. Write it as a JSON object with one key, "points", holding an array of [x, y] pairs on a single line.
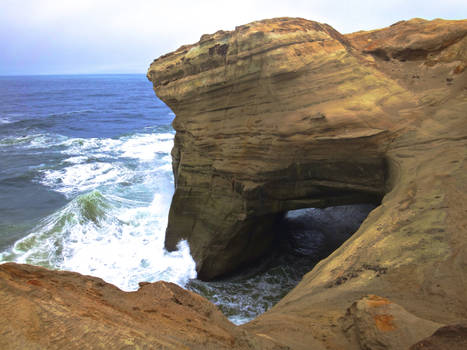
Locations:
{"points": [[42, 309], [278, 115]]}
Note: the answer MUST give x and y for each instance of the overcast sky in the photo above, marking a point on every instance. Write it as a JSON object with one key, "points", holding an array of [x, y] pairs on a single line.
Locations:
{"points": [[117, 36]]}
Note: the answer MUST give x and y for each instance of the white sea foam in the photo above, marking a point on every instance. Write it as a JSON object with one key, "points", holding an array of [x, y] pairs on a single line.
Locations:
{"points": [[27, 141], [84, 177], [98, 162], [76, 160], [44, 140], [121, 241], [112, 227], [145, 147], [133, 242], [139, 146]]}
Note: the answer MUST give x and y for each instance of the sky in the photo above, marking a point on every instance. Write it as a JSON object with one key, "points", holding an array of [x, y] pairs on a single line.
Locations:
{"points": [[118, 36]]}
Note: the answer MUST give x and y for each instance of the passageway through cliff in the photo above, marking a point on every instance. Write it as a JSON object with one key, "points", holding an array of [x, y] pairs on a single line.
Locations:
{"points": [[305, 237]]}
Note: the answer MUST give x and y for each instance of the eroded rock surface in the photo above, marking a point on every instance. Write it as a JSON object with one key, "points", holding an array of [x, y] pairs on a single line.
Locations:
{"points": [[452, 337], [273, 122], [278, 115], [376, 323], [286, 113], [42, 309]]}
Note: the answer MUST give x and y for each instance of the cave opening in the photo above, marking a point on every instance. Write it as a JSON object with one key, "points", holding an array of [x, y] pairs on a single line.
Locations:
{"points": [[304, 237]]}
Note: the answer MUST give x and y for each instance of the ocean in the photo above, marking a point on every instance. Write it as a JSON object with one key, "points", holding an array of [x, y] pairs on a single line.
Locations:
{"points": [[86, 183], [86, 178]]}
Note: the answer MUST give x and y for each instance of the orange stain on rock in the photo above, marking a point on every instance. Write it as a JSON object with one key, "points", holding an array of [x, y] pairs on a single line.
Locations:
{"points": [[384, 322], [376, 301]]}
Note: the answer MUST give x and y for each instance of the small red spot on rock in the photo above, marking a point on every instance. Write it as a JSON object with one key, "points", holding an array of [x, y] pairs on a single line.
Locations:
{"points": [[34, 282]]}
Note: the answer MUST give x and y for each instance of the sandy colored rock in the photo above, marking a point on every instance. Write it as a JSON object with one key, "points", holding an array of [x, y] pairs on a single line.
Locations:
{"points": [[277, 115], [42, 309], [285, 117], [376, 323], [452, 337], [291, 114]]}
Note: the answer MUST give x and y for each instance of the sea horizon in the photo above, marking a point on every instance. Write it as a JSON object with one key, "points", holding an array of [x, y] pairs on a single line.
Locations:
{"points": [[66, 74]]}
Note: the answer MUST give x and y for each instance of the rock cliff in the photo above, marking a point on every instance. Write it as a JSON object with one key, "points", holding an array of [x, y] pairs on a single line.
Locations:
{"points": [[278, 115], [287, 113]]}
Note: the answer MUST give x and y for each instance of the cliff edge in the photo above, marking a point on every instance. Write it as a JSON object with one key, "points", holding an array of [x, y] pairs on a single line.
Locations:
{"points": [[278, 115], [287, 113]]}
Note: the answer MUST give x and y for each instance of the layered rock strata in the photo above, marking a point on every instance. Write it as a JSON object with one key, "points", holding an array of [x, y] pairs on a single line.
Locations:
{"points": [[42, 309], [277, 115], [287, 113]]}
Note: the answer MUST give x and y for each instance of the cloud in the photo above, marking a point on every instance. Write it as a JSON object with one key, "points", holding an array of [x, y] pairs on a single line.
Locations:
{"points": [[57, 36]]}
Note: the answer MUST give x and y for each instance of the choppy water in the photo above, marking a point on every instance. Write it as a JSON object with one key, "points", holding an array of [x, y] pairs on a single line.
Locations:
{"points": [[85, 178], [86, 184]]}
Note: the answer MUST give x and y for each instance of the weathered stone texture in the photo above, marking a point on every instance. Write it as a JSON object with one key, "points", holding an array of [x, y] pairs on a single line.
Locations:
{"points": [[278, 115]]}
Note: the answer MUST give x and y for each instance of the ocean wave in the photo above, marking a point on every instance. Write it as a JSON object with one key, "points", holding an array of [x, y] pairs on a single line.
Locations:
{"points": [[78, 111], [119, 240], [146, 146], [94, 162], [83, 177], [32, 141], [113, 227], [140, 146], [9, 118]]}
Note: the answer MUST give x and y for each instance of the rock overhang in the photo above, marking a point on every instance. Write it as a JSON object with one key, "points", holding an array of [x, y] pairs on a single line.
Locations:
{"points": [[276, 115]]}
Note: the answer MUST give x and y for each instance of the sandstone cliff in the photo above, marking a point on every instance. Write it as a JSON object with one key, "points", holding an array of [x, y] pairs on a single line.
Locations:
{"points": [[287, 113], [278, 115]]}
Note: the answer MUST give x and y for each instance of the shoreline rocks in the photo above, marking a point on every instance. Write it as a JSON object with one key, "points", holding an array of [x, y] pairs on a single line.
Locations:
{"points": [[44, 309], [293, 114], [277, 115]]}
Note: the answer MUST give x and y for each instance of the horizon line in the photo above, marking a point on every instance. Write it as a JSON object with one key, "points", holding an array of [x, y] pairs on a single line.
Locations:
{"points": [[64, 74]]}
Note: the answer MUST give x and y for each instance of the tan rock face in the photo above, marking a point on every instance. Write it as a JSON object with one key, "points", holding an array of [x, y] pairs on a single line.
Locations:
{"points": [[42, 309], [452, 337], [376, 323], [284, 116], [287, 113], [278, 115], [291, 114]]}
